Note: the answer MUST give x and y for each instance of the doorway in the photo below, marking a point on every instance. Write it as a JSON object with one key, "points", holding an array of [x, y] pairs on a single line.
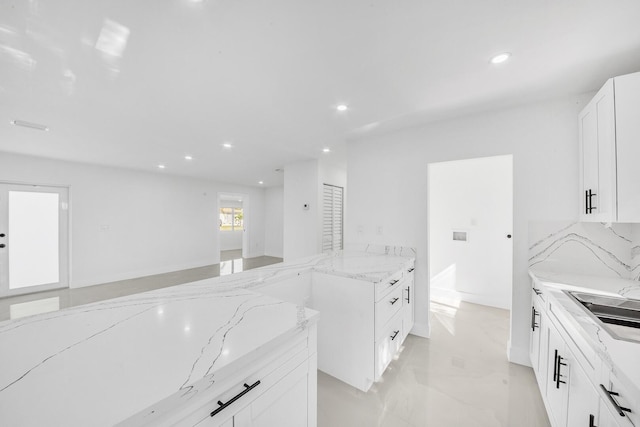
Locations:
{"points": [[470, 216], [34, 238], [233, 236]]}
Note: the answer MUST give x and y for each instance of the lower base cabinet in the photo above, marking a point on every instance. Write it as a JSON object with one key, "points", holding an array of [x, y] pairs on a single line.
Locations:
{"points": [[575, 386]]}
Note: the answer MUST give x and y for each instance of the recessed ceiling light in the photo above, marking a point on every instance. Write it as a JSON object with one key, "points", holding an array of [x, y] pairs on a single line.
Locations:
{"points": [[326, 150], [227, 145], [188, 157], [260, 182], [161, 166], [342, 107], [30, 125], [500, 58]]}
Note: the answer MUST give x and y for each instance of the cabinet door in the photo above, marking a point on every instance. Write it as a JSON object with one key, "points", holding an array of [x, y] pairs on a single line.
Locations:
{"points": [[535, 332], [283, 405], [557, 378], [583, 398], [408, 304], [598, 157], [627, 90]]}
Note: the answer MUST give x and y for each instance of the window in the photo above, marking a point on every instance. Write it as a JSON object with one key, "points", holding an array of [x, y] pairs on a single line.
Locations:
{"points": [[332, 218], [231, 219]]}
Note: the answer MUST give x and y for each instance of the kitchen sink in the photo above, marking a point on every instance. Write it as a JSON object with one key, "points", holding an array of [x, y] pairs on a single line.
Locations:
{"points": [[619, 316]]}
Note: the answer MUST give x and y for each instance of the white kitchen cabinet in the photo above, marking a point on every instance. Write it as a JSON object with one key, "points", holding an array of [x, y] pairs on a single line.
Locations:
{"points": [[557, 395], [363, 324], [609, 135], [598, 156], [537, 344], [627, 103], [407, 303]]}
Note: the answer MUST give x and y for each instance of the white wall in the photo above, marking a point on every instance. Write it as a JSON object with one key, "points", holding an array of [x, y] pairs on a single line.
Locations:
{"points": [[476, 197], [388, 175], [154, 222], [301, 183], [274, 221]]}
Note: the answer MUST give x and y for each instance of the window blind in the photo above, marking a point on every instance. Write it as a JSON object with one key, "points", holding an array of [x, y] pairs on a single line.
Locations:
{"points": [[332, 200]]}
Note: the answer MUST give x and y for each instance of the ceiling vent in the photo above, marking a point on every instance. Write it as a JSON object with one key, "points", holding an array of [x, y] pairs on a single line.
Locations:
{"points": [[29, 125]]}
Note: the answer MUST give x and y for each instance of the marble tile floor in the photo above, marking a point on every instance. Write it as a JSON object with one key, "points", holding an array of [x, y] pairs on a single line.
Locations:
{"points": [[459, 377], [18, 306]]}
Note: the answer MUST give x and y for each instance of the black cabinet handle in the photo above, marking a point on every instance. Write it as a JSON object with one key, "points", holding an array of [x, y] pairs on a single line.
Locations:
{"points": [[395, 334], [409, 294], [537, 291], [247, 389], [410, 270], [558, 381], [393, 301], [619, 409], [592, 420], [555, 365], [393, 282], [586, 202], [534, 313], [2, 245]]}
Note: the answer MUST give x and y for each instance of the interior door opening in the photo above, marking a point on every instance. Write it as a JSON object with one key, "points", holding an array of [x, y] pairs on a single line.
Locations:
{"points": [[233, 237], [470, 221]]}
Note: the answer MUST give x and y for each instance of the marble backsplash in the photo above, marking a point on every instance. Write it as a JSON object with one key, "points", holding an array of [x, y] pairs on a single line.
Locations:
{"points": [[599, 249]]}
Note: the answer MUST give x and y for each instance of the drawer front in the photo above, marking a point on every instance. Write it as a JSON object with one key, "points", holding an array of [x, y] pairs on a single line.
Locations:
{"points": [[256, 384], [387, 307], [388, 345], [389, 285], [620, 402]]}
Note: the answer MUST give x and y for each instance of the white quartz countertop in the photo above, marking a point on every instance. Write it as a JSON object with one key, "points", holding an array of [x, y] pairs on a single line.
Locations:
{"points": [[100, 363], [622, 357]]}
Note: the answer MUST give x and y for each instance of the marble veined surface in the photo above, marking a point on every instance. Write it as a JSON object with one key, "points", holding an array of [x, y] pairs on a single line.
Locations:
{"points": [[100, 363], [620, 356]]}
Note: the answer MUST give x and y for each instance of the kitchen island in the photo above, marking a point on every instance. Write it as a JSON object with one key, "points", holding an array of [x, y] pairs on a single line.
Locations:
{"points": [[174, 355]]}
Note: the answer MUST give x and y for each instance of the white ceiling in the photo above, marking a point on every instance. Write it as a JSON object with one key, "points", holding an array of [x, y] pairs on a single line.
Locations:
{"points": [[138, 83]]}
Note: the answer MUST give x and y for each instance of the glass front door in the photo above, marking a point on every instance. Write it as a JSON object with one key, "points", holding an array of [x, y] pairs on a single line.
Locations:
{"points": [[33, 238]]}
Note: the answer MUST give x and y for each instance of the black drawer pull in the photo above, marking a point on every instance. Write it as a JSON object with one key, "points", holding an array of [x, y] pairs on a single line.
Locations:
{"points": [[537, 291], [393, 282], [534, 313], [409, 294], [247, 389], [410, 270], [621, 410], [395, 334], [558, 381], [592, 420], [393, 301]]}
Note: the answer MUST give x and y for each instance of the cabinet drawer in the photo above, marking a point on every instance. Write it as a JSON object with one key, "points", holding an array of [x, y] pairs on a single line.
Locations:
{"points": [[388, 345], [386, 286], [620, 402], [387, 307], [267, 376]]}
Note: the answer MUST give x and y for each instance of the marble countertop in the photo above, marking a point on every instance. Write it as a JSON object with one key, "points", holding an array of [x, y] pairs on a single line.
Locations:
{"points": [[620, 356], [101, 363]]}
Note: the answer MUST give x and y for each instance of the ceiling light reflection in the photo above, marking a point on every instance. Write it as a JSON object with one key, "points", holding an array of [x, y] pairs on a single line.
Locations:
{"points": [[113, 38]]}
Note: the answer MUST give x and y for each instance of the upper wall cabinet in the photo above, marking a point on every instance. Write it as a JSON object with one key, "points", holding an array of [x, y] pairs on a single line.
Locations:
{"points": [[609, 132]]}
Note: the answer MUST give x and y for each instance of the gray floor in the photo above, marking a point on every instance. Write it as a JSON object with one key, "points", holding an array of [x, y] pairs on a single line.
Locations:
{"points": [[231, 262]]}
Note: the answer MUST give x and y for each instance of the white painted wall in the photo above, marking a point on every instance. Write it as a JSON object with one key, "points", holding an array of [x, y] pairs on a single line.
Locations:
{"points": [[473, 196], [301, 184], [388, 176], [156, 222], [274, 221]]}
